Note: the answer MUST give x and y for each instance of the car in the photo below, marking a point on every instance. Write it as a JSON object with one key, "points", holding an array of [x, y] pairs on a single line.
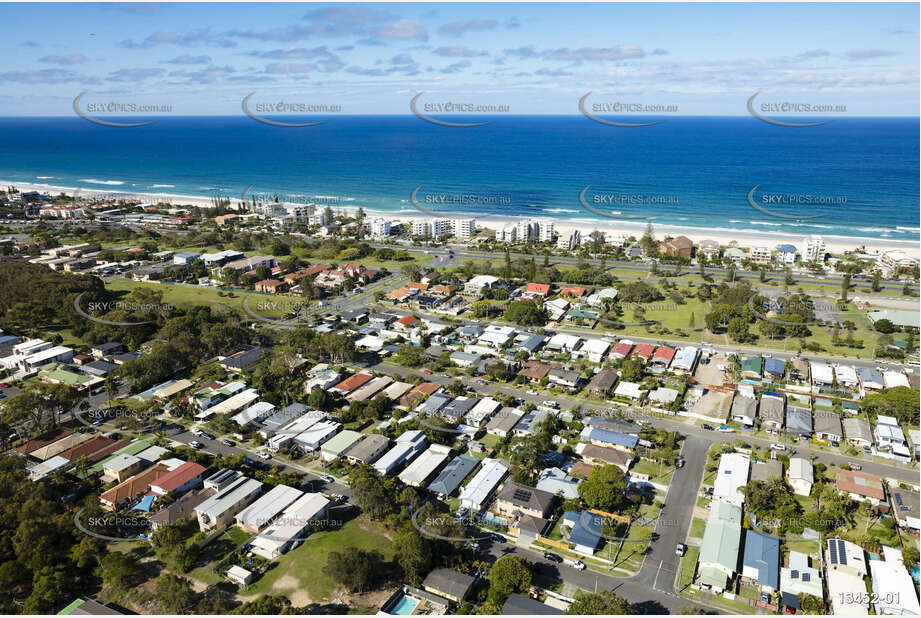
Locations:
{"points": [[444, 375], [196, 444], [707, 427], [726, 429], [265, 455], [472, 545], [227, 442], [328, 479], [427, 372], [498, 538], [867, 449], [531, 391], [576, 564], [777, 446], [552, 557], [4, 385], [680, 549], [551, 404], [855, 467], [679, 463], [207, 436]]}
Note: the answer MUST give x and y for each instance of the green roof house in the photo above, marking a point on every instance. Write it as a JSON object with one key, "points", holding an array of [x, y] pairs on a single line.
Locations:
{"points": [[719, 552], [751, 367]]}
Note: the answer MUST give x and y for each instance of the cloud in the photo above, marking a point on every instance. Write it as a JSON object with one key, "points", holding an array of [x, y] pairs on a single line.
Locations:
{"points": [[204, 76], [345, 20], [286, 34], [583, 54], [201, 36], [188, 59], [67, 60], [512, 23], [355, 70], [869, 54], [290, 68], [47, 76], [459, 28], [370, 42], [458, 51], [134, 75], [456, 67], [30, 44], [814, 53], [659, 52], [552, 72], [402, 30]]}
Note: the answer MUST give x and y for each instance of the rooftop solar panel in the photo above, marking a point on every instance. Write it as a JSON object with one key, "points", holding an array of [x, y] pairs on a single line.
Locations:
{"points": [[794, 574], [842, 554], [522, 495], [898, 499], [805, 577]]}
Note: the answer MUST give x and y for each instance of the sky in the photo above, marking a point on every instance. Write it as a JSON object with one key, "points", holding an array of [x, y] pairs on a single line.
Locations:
{"points": [[703, 59]]}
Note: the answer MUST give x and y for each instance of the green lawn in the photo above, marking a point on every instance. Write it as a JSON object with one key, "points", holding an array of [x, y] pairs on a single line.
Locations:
{"points": [[688, 566], [187, 295], [490, 440], [697, 528], [305, 567], [805, 547], [215, 551]]}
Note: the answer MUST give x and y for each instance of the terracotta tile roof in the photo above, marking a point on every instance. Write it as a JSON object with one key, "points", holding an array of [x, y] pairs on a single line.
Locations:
{"points": [[135, 486], [49, 437], [860, 483], [644, 351], [352, 382], [572, 290], [538, 288]]}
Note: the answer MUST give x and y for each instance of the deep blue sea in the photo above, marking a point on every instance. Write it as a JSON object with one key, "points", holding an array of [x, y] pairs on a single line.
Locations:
{"points": [[689, 171]]}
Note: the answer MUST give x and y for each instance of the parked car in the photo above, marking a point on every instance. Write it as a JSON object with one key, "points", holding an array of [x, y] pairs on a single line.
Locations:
{"points": [[707, 427], [679, 463], [726, 429], [328, 479], [196, 444], [4, 385], [531, 391], [854, 467], [777, 446], [427, 372], [227, 442], [551, 404], [207, 436], [576, 564], [265, 455], [498, 538], [552, 557], [681, 549]]}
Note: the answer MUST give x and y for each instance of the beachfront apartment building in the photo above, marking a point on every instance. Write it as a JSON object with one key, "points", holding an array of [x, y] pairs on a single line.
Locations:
{"points": [[380, 227], [760, 255], [547, 231], [890, 262], [570, 241], [463, 228], [814, 249]]}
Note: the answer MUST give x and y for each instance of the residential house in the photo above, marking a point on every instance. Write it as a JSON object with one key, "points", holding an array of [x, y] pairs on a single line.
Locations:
{"points": [[774, 368], [680, 246], [555, 481], [516, 499], [367, 450], [731, 476], [220, 509], [584, 531], [800, 476], [766, 470], [828, 426], [857, 432], [630, 390], [761, 561], [744, 410], [478, 491], [751, 367], [267, 507], [408, 445], [449, 584], [685, 359], [450, 478], [800, 578], [771, 411], [663, 356], [426, 465], [534, 371], [888, 434], [719, 551], [504, 422], [602, 383], [564, 378], [860, 486], [799, 421]]}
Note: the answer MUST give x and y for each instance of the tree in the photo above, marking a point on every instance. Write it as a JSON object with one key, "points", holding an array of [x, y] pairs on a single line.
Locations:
{"points": [[875, 284], [648, 241], [356, 569], [604, 602], [845, 286], [632, 370], [810, 604], [884, 326], [901, 402], [738, 329], [414, 555], [265, 605], [174, 594], [412, 272], [788, 277], [526, 313], [372, 493], [692, 321], [604, 488], [51, 588], [320, 399], [509, 574]]}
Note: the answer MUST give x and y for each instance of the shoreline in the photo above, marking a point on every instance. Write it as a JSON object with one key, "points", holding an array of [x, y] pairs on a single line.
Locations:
{"points": [[724, 236]]}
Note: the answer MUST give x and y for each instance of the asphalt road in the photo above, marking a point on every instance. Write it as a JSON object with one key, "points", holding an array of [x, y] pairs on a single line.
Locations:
{"points": [[688, 429]]}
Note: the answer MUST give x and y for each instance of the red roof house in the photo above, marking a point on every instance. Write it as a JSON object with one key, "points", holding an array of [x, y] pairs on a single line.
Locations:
{"points": [[351, 383], [185, 477], [621, 350], [663, 356], [644, 351], [538, 289], [407, 320]]}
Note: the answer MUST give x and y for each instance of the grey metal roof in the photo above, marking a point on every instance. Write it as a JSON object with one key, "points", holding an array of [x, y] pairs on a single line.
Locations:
{"points": [[449, 582], [459, 468], [799, 420], [519, 605]]}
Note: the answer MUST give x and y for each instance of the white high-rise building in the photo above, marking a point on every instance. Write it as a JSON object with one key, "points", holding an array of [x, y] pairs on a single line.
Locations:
{"points": [[814, 250], [464, 228], [570, 241], [509, 234], [527, 230], [318, 217], [440, 227], [546, 231], [380, 227], [421, 227]]}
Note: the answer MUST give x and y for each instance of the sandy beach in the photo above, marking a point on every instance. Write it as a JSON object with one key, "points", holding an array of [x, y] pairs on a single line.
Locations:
{"points": [[742, 238]]}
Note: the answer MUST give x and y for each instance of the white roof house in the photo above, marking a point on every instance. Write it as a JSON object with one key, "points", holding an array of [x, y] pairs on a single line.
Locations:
{"points": [[731, 476], [888, 433], [594, 349], [894, 378], [800, 475], [800, 577], [408, 445], [561, 342], [481, 486], [317, 435], [841, 590], [556, 308], [421, 470], [846, 375], [235, 403], [260, 513], [290, 526], [628, 389], [482, 411], [47, 467], [663, 395], [254, 413], [894, 589], [822, 374], [685, 357]]}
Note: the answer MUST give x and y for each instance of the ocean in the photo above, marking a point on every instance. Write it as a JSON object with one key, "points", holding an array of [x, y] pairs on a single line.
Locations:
{"points": [[859, 175]]}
